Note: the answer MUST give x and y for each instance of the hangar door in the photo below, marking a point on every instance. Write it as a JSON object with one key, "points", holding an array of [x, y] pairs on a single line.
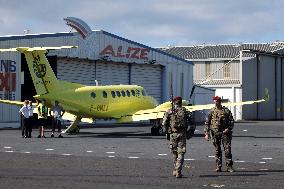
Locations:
{"points": [[149, 77], [110, 73], [76, 71]]}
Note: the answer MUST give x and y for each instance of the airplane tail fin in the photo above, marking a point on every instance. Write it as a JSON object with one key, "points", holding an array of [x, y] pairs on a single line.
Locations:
{"points": [[41, 72]]}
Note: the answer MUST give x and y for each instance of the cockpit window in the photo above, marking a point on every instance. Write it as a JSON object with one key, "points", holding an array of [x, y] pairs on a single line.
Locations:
{"points": [[123, 93], [128, 93], [133, 92], [118, 93], [143, 93], [113, 94], [93, 95], [104, 94]]}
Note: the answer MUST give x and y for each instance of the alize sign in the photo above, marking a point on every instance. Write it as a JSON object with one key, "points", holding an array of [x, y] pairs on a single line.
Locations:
{"points": [[8, 75], [129, 53]]}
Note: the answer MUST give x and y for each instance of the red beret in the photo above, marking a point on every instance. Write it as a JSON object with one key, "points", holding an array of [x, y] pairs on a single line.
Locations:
{"points": [[217, 98], [177, 98]]}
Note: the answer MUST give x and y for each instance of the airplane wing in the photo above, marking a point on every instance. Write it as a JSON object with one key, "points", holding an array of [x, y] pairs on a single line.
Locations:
{"points": [[16, 103], [36, 48], [158, 112]]}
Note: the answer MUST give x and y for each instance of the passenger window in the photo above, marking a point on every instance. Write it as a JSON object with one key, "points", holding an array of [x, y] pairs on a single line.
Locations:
{"points": [[128, 93], [137, 92], [123, 93], [113, 94], [133, 92], [143, 93], [118, 93], [93, 95], [104, 94]]}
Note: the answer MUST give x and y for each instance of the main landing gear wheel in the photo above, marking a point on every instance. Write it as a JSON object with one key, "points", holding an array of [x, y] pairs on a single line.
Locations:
{"points": [[157, 129]]}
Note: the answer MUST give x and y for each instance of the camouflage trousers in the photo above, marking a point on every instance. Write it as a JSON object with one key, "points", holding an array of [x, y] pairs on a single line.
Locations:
{"points": [[178, 148], [225, 139]]}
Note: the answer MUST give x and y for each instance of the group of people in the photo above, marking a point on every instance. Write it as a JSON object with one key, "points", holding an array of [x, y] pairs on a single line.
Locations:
{"points": [[27, 111], [218, 126]]}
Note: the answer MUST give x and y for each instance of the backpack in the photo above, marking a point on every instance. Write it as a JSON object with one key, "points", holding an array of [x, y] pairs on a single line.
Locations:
{"points": [[179, 118]]}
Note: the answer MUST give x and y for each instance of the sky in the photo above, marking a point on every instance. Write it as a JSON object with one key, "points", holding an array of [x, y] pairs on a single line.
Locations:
{"points": [[156, 23]]}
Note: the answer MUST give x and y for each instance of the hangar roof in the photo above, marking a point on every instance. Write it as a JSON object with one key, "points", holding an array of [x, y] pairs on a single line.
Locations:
{"points": [[221, 51]]}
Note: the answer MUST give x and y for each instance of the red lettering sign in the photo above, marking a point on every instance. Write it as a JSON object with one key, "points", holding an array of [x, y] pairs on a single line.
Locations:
{"points": [[8, 82], [131, 52]]}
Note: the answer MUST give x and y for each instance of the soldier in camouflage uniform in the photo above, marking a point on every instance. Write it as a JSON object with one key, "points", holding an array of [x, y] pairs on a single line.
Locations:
{"points": [[219, 125], [176, 122]]}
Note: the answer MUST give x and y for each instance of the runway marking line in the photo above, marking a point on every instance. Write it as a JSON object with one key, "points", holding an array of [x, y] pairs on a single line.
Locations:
{"points": [[245, 130], [239, 161], [211, 156], [89, 151], [189, 159], [262, 162], [242, 168], [9, 151], [111, 156], [266, 158], [162, 154], [7, 147], [133, 157], [263, 169], [49, 149], [26, 152], [66, 154], [110, 152]]}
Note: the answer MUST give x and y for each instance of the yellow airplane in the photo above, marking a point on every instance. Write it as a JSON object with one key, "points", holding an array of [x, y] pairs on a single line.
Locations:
{"points": [[125, 103]]}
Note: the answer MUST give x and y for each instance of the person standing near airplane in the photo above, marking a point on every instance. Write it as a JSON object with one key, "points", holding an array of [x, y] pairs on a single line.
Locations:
{"points": [[219, 125], [31, 121], [176, 121], [42, 115], [24, 112], [58, 112]]}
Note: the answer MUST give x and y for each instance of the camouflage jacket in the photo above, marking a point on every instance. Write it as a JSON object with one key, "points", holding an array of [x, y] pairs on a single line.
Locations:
{"points": [[167, 121], [219, 120]]}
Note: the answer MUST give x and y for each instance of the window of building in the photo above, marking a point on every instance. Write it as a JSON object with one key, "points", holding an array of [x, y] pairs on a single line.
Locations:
{"points": [[104, 94], [93, 95], [208, 69], [133, 92], [118, 93], [113, 94], [123, 93], [128, 93], [227, 70]]}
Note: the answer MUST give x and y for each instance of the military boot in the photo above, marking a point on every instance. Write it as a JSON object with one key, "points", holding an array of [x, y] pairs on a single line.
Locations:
{"points": [[230, 169], [178, 175], [218, 169]]}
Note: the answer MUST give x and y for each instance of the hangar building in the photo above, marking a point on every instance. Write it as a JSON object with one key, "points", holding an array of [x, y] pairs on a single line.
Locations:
{"points": [[240, 72], [102, 57]]}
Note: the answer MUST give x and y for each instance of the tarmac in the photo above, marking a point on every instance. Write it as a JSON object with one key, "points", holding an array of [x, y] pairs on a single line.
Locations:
{"points": [[127, 156]]}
